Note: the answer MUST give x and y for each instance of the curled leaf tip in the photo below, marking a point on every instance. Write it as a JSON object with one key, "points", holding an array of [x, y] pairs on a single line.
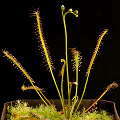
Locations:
{"points": [[112, 85], [31, 87], [75, 83], [62, 60]]}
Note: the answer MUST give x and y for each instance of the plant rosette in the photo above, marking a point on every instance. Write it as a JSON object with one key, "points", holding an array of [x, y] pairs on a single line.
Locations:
{"points": [[69, 110]]}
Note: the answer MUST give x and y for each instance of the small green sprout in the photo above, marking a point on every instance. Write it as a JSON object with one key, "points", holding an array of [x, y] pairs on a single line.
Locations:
{"points": [[69, 111]]}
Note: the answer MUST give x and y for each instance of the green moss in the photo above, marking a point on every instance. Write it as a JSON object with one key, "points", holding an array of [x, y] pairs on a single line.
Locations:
{"points": [[96, 115], [21, 111]]}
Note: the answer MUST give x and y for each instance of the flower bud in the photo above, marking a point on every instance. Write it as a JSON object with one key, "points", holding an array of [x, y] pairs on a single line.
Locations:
{"points": [[62, 8], [70, 10], [76, 11], [76, 15]]}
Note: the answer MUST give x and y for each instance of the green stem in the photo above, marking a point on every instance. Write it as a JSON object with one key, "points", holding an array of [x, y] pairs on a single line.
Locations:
{"points": [[82, 94], [73, 105], [55, 83], [66, 64], [68, 116], [70, 88], [75, 97], [63, 68]]}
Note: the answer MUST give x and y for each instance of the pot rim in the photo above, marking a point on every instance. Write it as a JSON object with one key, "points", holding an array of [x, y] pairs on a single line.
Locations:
{"points": [[30, 100]]}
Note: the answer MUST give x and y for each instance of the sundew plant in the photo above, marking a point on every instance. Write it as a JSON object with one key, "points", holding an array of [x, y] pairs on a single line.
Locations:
{"points": [[69, 111]]}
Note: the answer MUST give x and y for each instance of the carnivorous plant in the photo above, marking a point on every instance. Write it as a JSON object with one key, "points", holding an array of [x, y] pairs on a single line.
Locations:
{"points": [[69, 111]]}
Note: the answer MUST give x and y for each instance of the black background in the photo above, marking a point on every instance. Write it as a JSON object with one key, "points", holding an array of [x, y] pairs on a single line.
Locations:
{"points": [[17, 36]]}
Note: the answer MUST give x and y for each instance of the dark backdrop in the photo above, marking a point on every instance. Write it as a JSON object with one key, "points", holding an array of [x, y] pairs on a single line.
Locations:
{"points": [[17, 36]]}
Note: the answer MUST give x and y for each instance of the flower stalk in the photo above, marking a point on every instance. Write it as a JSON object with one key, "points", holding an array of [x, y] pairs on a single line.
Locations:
{"points": [[66, 52]]}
